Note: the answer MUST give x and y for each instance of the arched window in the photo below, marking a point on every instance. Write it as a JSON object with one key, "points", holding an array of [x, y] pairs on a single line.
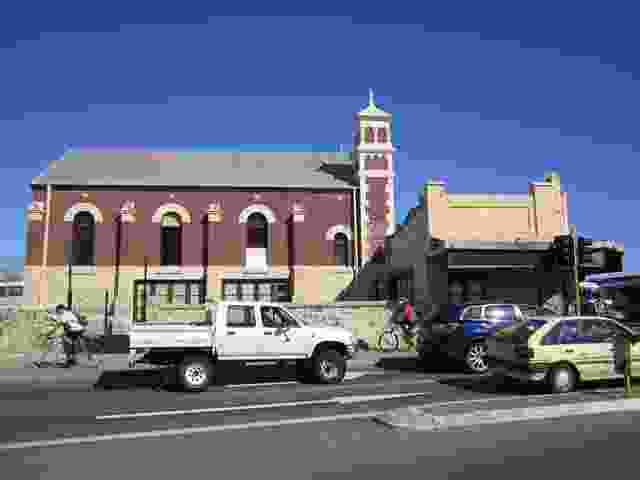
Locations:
{"points": [[257, 241], [370, 135], [256, 231], [84, 235], [382, 135], [341, 244], [171, 240]]}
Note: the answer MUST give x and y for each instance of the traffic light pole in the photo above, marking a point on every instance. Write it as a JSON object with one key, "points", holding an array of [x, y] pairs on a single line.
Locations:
{"points": [[576, 268]]}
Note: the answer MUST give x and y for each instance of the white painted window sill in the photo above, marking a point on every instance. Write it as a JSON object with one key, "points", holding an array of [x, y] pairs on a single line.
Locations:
{"points": [[81, 270]]}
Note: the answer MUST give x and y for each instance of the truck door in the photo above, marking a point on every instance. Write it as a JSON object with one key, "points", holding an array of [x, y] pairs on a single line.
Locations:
{"points": [[241, 336], [293, 341]]}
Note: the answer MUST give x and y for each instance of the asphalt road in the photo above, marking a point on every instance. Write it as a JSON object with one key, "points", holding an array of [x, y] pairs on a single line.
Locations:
{"points": [[576, 447], [48, 414]]}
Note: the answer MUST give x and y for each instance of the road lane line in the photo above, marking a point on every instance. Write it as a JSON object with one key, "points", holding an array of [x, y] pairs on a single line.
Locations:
{"points": [[369, 398], [186, 431], [263, 406], [263, 384], [348, 376], [236, 408]]}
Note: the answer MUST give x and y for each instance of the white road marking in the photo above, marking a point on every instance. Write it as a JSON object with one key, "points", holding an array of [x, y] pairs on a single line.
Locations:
{"points": [[185, 431], [263, 384], [215, 409], [245, 426], [347, 376], [371, 398], [263, 406]]}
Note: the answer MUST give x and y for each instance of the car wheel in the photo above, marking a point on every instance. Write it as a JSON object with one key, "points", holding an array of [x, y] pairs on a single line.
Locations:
{"points": [[562, 379], [195, 374], [476, 357], [329, 367]]}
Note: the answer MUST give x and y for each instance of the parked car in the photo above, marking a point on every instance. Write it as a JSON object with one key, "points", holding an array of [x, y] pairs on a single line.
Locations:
{"points": [[256, 334], [464, 339], [560, 352]]}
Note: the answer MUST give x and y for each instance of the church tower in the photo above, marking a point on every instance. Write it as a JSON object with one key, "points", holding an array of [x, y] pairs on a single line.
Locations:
{"points": [[373, 162]]}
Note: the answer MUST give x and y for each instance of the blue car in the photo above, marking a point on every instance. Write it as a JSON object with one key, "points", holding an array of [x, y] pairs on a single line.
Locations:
{"points": [[464, 338]]}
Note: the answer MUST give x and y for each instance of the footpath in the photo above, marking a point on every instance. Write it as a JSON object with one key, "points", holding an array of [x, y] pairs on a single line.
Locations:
{"points": [[89, 372], [499, 410]]}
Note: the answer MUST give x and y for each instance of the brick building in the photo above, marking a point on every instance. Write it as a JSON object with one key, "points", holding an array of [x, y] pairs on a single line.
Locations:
{"points": [[283, 226]]}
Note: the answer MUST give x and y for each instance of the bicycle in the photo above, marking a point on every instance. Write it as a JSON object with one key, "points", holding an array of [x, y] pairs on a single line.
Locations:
{"points": [[389, 339], [55, 346]]}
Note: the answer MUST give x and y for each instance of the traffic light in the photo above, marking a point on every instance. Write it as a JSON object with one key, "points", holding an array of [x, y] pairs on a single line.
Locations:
{"points": [[585, 251], [564, 250], [589, 255]]}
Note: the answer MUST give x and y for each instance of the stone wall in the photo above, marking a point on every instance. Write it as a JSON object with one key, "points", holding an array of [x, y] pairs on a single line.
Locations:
{"points": [[364, 319]]}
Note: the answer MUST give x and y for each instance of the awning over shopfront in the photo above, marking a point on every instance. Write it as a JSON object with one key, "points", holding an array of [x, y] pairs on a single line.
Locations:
{"points": [[493, 260]]}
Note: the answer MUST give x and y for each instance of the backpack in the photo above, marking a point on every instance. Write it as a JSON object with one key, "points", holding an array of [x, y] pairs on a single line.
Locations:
{"points": [[408, 313]]}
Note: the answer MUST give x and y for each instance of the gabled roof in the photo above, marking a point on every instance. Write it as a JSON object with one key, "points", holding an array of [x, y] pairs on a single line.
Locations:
{"points": [[190, 168]]}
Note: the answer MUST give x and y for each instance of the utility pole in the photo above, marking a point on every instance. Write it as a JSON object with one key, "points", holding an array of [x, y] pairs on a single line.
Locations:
{"points": [[70, 259], [144, 290], [576, 269], [116, 278]]}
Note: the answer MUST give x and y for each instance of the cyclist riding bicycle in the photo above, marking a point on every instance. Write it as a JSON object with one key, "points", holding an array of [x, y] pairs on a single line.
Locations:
{"points": [[54, 336], [405, 316]]}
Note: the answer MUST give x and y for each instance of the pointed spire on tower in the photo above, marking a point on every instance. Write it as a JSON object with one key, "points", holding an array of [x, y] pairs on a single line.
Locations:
{"points": [[372, 108]]}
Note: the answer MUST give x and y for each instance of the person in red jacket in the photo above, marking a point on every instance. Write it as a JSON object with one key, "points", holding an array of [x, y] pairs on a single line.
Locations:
{"points": [[406, 317]]}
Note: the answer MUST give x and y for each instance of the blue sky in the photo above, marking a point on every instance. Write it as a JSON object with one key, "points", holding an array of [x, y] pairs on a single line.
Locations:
{"points": [[488, 94]]}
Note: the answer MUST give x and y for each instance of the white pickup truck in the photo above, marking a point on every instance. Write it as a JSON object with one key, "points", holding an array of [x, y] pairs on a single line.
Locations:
{"points": [[245, 333]]}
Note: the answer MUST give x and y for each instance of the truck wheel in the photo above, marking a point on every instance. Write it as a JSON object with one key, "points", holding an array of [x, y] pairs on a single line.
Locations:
{"points": [[329, 367], [195, 374], [476, 357]]}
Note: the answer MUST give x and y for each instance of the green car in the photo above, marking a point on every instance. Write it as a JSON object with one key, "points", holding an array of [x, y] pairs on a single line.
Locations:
{"points": [[560, 351]]}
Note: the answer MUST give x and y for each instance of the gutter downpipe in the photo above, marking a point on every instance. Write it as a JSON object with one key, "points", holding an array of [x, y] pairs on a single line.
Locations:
{"points": [[356, 233], [45, 250]]}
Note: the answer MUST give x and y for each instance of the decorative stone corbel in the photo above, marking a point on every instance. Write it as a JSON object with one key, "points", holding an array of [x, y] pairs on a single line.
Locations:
{"points": [[215, 213], [298, 212], [35, 211], [128, 212]]}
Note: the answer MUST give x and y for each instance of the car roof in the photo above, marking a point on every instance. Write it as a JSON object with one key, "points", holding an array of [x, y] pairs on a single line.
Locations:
{"points": [[583, 317]]}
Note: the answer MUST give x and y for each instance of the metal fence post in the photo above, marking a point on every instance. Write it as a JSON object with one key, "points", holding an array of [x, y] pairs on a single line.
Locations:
{"points": [[627, 368], [106, 312]]}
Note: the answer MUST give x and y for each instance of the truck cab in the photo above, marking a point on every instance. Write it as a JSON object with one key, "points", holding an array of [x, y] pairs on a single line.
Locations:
{"points": [[242, 334]]}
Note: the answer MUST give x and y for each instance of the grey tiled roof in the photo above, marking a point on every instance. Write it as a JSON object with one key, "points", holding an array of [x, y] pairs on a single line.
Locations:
{"points": [[104, 167]]}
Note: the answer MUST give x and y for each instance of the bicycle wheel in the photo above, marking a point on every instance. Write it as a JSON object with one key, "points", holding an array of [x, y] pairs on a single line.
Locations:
{"points": [[388, 341], [59, 354]]}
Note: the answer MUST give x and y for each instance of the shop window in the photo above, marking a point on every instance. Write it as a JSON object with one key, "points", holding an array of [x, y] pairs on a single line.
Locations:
{"points": [[256, 290]]}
